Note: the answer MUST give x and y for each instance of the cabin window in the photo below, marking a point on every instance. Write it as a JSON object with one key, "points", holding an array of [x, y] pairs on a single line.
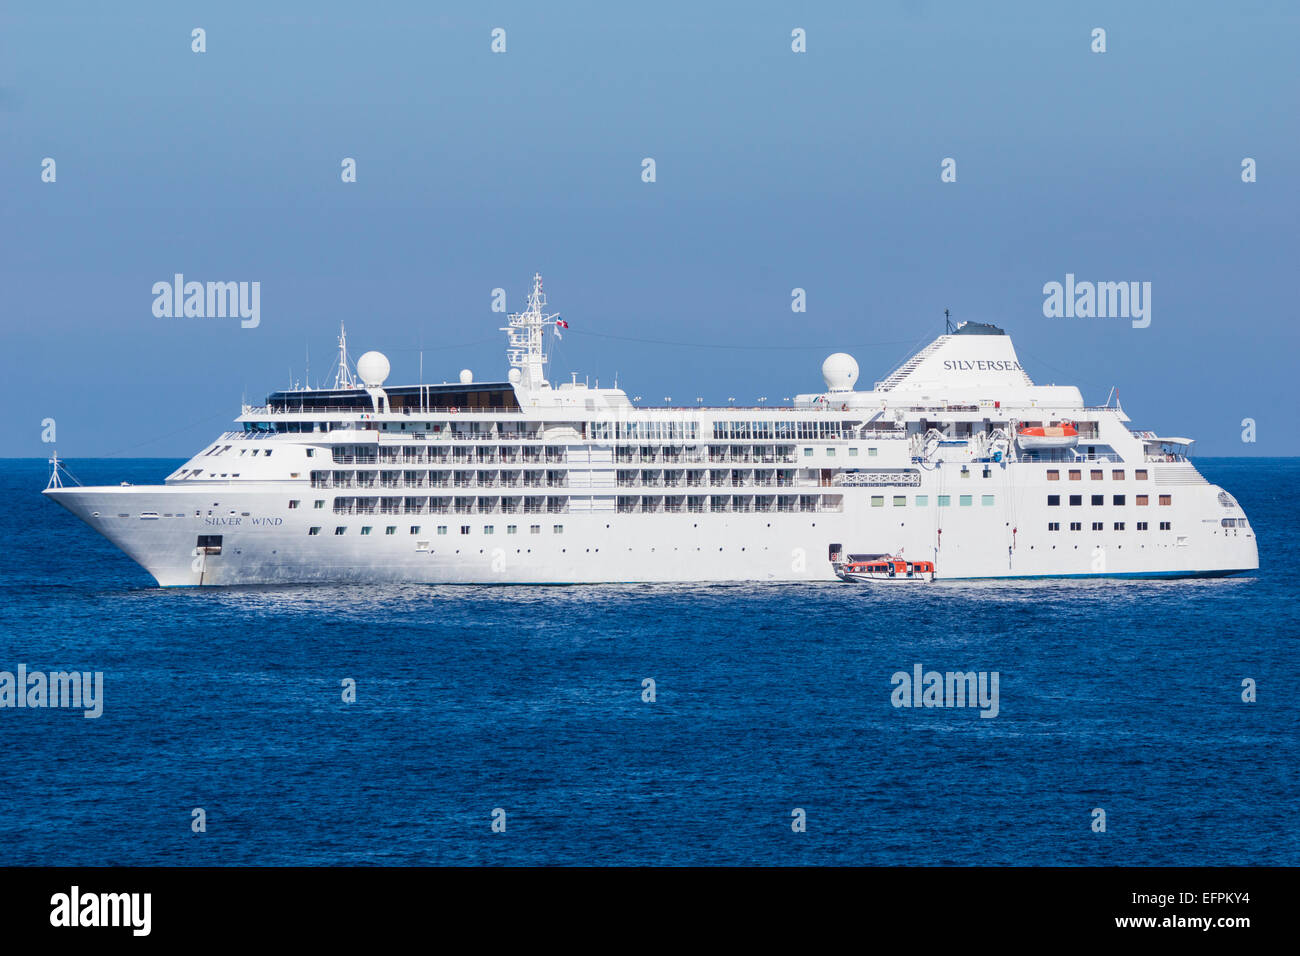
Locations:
{"points": [[315, 530], [1118, 499], [945, 501], [830, 452], [320, 503], [1098, 499], [1164, 526], [871, 452], [1076, 475], [853, 453], [442, 529], [1166, 499], [557, 529], [1098, 526], [1053, 474], [922, 501], [534, 529], [1140, 474], [1053, 526], [1119, 526], [391, 529], [488, 529], [807, 452], [512, 529], [1142, 526], [340, 529], [1053, 501], [1076, 525], [1076, 500], [965, 501], [415, 529], [1117, 474], [1141, 500], [366, 529], [877, 501], [293, 504], [464, 529], [311, 452], [1095, 474], [986, 500], [900, 501]]}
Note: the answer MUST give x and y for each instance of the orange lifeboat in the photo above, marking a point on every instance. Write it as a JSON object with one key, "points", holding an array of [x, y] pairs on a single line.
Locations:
{"points": [[1061, 435], [886, 569]]}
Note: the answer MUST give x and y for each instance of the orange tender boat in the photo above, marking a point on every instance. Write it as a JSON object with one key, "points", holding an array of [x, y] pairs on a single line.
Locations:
{"points": [[1062, 435]]}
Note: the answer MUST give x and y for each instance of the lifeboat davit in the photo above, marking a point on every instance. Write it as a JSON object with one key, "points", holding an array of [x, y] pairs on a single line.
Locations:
{"points": [[1062, 435]]}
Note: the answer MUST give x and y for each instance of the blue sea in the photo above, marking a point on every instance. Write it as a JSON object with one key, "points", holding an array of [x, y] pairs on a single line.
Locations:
{"points": [[1119, 695]]}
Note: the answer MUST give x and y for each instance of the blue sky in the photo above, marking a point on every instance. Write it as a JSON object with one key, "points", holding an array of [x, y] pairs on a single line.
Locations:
{"points": [[775, 170]]}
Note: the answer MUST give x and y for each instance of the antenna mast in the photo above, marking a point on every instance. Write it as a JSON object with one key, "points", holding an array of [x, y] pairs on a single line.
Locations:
{"points": [[525, 333], [343, 377]]}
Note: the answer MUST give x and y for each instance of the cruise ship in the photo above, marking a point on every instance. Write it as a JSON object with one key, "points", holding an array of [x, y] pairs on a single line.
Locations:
{"points": [[955, 458]]}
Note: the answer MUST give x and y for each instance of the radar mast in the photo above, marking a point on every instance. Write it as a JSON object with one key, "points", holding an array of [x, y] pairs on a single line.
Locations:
{"points": [[525, 333]]}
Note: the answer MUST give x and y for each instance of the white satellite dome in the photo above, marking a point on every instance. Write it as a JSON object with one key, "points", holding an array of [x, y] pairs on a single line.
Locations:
{"points": [[372, 368], [840, 372], [466, 376], [514, 375]]}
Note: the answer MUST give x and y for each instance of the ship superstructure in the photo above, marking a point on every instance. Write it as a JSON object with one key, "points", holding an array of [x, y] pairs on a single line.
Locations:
{"points": [[956, 458]]}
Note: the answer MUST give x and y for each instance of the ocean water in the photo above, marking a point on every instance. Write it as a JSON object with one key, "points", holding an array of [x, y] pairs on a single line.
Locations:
{"points": [[1119, 695]]}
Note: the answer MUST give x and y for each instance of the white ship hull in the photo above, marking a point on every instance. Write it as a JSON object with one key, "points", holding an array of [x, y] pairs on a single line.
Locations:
{"points": [[270, 545]]}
